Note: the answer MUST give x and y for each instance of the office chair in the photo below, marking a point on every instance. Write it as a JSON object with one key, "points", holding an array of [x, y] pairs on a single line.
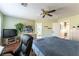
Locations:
{"points": [[24, 47]]}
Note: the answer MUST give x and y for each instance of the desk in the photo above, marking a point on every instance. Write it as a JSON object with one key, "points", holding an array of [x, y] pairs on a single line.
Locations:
{"points": [[9, 48], [12, 47]]}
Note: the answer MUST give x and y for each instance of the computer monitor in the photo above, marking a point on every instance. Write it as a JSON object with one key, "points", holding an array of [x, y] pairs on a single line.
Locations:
{"points": [[7, 33]]}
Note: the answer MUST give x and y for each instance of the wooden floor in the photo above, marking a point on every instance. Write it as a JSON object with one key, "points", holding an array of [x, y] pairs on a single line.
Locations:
{"points": [[31, 54], [12, 48]]}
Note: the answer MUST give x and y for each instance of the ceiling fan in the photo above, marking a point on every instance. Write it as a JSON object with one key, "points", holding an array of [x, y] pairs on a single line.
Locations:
{"points": [[48, 13], [24, 4]]}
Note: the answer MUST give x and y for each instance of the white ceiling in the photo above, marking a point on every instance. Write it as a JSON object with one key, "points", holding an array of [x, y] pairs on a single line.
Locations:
{"points": [[33, 10]]}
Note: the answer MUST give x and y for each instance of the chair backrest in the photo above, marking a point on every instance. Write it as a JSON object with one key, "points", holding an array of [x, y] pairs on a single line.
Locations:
{"points": [[24, 46]]}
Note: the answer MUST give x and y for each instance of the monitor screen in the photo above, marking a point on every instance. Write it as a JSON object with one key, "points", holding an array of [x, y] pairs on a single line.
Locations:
{"points": [[7, 33]]}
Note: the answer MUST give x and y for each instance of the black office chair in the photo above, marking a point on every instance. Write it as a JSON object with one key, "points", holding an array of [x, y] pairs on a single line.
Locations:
{"points": [[24, 47]]}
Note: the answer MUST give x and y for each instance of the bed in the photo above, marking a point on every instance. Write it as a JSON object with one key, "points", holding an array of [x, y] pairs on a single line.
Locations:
{"points": [[55, 46]]}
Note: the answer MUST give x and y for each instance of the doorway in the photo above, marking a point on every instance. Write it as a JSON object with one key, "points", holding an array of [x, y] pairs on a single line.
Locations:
{"points": [[38, 30]]}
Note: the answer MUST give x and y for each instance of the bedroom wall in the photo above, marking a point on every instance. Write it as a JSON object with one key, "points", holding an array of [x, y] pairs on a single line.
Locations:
{"points": [[74, 31], [0, 24], [73, 34], [47, 26], [74, 21], [10, 22], [1, 19]]}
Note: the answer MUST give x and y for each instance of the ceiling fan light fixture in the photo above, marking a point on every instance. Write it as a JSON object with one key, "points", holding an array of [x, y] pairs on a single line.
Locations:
{"points": [[48, 13], [24, 4]]}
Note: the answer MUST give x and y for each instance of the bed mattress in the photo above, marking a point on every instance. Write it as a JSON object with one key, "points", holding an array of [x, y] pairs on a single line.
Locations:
{"points": [[55, 46]]}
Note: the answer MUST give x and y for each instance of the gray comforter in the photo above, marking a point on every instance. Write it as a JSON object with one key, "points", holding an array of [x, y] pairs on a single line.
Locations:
{"points": [[54, 46]]}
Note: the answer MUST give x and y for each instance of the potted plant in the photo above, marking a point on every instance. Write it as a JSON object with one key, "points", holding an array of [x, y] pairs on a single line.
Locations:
{"points": [[19, 28]]}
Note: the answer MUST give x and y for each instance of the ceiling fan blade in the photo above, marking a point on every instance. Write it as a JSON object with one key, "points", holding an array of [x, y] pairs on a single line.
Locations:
{"points": [[49, 15], [51, 11], [43, 16]]}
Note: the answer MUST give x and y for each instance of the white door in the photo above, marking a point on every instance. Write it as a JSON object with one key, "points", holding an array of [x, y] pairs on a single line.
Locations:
{"points": [[65, 29], [39, 30], [56, 29]]}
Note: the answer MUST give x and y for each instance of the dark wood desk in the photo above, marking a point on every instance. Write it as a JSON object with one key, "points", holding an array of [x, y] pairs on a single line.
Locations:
{"points": [[12, 47]]}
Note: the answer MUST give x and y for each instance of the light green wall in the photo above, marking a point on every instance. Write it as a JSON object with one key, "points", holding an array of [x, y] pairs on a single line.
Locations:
{"points": [[47, 23], [0, 24], [1, 27], [73, 21], [45, 30], [10, 22]]}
